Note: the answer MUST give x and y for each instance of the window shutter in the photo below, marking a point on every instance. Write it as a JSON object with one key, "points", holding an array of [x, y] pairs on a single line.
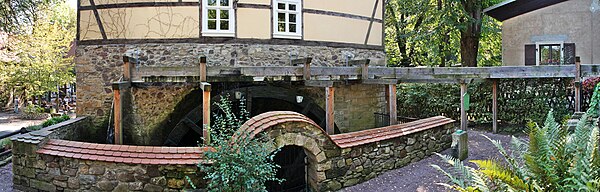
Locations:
{"points": [[569, 53], [530, 54]]}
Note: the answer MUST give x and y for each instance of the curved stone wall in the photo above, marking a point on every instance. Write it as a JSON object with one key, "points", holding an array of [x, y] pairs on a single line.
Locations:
{"points": [[42, 160]]}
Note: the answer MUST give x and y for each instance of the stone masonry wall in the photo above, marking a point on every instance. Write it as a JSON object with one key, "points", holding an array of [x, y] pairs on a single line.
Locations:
{"points": [[361, 163], [151, 110], [37, 172], [98, 66]]}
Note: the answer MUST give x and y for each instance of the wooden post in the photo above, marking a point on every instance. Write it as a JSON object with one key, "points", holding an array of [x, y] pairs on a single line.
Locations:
{"points": [[127, 69], [495, 106], [117, 114], [329, 115], [202, 69], [206, 112], [365, 70], [392, 107], [306, 71], [577, 84], [463, 112]]}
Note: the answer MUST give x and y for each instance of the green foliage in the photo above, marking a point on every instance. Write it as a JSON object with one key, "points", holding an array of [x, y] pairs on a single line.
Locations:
{"points": [[514, 96], [55, 120], [239, 163], [428, 33], [42, 53], [552, 160], [5, 143], [17, 16], [33, 109]]}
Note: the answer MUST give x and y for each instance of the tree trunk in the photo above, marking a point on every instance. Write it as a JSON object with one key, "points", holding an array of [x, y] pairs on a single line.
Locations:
{"points": [[441, 46], [469, 38]]}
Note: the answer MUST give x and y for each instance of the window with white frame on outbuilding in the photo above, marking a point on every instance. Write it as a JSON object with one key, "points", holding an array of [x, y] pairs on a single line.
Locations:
{"points": [[218, 18], [287, 19]]}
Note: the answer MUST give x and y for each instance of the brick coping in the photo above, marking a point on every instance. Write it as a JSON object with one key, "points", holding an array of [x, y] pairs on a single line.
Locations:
{"points": [[266, 120], [125, 153], [193, 155]]}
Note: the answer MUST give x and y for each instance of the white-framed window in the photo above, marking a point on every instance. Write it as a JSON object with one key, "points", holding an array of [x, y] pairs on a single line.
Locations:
{"points": [[287, 19], [218, 18], [549, 53]]}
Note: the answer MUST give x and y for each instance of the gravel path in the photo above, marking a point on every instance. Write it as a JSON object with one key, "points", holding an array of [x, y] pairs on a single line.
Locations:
{"points": [[420, 176], [6, 178]]}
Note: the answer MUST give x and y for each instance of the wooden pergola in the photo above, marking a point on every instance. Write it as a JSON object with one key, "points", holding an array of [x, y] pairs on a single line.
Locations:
{"points": [[357, 71]]}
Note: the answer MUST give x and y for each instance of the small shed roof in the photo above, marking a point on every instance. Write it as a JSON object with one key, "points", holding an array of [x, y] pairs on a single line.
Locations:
{"points": [[512, 8]]}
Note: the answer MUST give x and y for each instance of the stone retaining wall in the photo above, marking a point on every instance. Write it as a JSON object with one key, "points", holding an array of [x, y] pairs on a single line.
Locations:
{"points": [[38, 172]]}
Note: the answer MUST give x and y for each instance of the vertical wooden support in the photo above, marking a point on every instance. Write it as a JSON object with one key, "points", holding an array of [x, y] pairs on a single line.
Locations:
{"points": [[127, 69], [206, 112], [329, 115], [117, 114], [577, 84], [463, 112], [495, 106], [365, 69], [202, 69], [392, 107], [306, 71]]}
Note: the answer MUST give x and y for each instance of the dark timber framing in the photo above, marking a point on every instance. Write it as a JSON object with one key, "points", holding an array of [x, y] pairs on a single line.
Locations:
{"points": [[98, 19], [230, 40], [371, 21]]}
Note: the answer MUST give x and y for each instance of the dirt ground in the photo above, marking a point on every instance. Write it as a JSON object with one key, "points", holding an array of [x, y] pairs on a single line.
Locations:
{"points": [[6, 178], [10, 122], [420, 176]]}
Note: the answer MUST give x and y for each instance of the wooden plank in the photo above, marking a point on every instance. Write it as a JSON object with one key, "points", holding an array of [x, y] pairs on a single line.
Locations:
{"points": [[261, 71], [117, 114], [380, 81], [203, 69], [206, 112], [392, 107], [329, 109], [127, 69], [463, 112], [306, 70], [495, 106], [329, 71], [365, 70], [577, 84]]}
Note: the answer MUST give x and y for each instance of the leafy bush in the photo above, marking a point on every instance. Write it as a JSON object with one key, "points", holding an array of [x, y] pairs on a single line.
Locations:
{"points": [[238, 163], [33, 109], [5, 144], [552, 160], [55, 120], [519, 100]]}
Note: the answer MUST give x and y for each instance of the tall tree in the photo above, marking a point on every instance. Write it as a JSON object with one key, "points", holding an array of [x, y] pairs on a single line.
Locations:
{"points": [[471, 34], [17, 16], [431, 33], [43, 63]]}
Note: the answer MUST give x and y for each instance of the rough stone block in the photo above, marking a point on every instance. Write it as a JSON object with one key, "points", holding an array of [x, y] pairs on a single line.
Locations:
{"points": [[43, 186], [152, 188]]}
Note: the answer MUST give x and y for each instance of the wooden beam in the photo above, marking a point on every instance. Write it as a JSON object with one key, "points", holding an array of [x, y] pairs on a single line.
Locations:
{"points": [[329, 109], [127, 69], [306, 69], [205, 112], [98, 19], [380, 81], [577, 84], [463, 112], [318, 83], [495, 106], [365, 70], [392, 107], [203, 69], [117, 114]]}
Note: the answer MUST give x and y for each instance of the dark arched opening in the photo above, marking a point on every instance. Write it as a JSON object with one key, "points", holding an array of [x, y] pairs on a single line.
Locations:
{"points": [[293, 164], [187, 131]]}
